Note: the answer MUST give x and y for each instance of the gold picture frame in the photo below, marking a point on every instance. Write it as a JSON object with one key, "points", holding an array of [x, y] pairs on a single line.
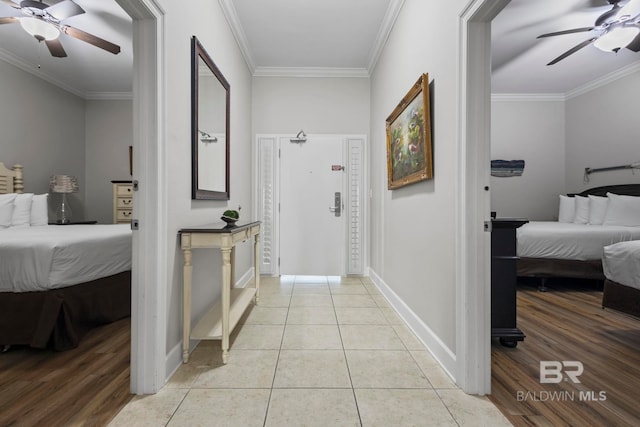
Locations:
{"points": [[409, 150]]}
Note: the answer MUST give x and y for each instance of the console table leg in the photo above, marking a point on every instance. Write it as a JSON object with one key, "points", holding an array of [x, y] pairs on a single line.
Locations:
{"points": [[256, 266], [226, 300], [186, 300]]}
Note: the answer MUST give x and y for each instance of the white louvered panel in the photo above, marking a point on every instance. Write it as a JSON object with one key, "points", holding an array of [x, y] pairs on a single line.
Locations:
{"points": [[355, 185], [267, 147]]}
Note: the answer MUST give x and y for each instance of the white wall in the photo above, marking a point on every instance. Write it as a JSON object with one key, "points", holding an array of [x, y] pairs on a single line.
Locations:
{"points": [[603, 130], [109, 130], [204, 19], [43, 128], [413, 228], [533, 131], [558, 140], [317, 105]]}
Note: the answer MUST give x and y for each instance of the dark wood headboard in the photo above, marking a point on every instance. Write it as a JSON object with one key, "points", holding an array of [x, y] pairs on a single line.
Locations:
{"points": [[623, 189]]}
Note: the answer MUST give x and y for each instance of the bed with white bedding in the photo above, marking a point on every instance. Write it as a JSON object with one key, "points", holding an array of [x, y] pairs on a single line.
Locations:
{"points": [[569, 241], [573, 247], [621, 266], [54, 256], [57, 281]]}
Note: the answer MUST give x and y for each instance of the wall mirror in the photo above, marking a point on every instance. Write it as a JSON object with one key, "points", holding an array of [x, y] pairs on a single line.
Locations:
{"points": [[210, 127]]}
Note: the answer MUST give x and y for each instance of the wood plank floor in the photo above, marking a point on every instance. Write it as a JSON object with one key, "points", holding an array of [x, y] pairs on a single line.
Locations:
{"points": [[86, 386], [567, 323]]}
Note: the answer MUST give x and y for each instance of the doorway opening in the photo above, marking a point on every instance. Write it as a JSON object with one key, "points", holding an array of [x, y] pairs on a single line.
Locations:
{"points": [[148, 336], [473, 338]]}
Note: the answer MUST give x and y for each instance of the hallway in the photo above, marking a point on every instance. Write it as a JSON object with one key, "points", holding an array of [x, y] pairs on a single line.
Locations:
{"points": [[315, 351]]}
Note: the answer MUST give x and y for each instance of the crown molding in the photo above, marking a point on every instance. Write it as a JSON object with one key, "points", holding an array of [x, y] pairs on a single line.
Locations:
{"points": [[586, 88], [37, 72], [108, 96], [310, 72], [12, 59], [386, 26], [542, 97], [604, 80], [231, 15]]}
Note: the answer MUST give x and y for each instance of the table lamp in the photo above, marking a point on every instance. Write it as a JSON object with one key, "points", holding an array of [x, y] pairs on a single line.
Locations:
{"points": [[63, 184]]}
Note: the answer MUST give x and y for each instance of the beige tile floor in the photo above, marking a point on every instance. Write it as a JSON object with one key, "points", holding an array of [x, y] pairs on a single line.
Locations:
{"points": [[315, 351]]}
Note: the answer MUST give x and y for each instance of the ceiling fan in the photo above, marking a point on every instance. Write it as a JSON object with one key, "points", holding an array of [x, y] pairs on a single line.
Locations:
{"points": [[45, 23], [617, 28]]}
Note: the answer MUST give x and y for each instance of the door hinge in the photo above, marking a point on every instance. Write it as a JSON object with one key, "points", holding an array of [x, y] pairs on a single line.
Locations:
{"points": [[136, 186], [135, 224], [278, 261], [488, 227]]}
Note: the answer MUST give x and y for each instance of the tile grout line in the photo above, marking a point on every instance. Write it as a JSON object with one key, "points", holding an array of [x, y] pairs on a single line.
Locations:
{"points": [[346, 361], [275, 371], [178, 407]]}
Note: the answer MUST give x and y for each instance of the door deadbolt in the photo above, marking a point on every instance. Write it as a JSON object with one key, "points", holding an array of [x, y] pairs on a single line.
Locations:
{"points": [[337, 204]]}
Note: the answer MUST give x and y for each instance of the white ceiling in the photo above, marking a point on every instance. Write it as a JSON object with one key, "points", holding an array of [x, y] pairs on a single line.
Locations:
{"points": [[87, 71], [327, 37], [290, 36], [519, 60]]}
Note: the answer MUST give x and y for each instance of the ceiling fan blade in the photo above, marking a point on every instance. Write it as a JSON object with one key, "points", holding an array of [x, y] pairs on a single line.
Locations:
{"points": [[56, 49], [65, 9], [609, 16], [90, 38], [635, 44], [9, 20], [573, 50], [559, 33]]}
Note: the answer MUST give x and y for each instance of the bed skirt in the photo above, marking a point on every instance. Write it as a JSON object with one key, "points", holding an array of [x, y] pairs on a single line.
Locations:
{"points": [[59, 318], [545, 267], [621, 298]]}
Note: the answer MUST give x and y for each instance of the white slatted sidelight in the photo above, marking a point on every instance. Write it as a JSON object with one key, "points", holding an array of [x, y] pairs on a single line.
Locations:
{"points": [[267, 199], [355, 205]]}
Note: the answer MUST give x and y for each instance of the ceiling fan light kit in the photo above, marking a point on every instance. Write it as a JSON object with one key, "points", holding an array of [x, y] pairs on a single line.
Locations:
{"points": [[39, 28], [44, 22], [617, 28], [616, 39]]}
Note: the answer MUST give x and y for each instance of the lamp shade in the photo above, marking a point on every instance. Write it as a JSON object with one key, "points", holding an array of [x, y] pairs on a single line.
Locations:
{"points": [[63, 184]]}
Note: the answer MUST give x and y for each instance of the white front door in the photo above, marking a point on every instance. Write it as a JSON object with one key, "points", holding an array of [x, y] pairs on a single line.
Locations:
{"points": [[312, 215]]}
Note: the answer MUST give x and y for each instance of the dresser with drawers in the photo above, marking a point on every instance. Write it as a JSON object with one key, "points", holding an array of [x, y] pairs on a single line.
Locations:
{"points": [[122, 201]]}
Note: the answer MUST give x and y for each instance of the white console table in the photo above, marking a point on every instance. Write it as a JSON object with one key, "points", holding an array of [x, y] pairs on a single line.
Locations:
{"points": [[220, 320]]}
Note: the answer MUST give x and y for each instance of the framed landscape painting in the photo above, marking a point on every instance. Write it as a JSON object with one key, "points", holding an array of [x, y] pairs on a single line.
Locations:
{"points": [[409, 157]]}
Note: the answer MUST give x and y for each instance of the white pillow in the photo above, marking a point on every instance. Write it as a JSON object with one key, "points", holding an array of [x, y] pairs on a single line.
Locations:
{"points": [[597, 209], [22, 210], [582, 210], [567, 210], [623, 210], [39, 210], [6, 209]]}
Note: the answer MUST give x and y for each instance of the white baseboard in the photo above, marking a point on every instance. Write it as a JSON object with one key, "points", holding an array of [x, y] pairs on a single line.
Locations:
{"points": [[174, 357], [173, 360], [245, 279], [431, 341]]}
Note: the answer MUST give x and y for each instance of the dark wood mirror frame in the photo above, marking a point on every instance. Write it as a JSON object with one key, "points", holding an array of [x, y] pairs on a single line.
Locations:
{"points": [[198, 53]]}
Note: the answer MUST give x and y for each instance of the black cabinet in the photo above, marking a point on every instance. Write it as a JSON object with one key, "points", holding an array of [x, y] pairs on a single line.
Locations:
{"points": [[503, 280]]}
